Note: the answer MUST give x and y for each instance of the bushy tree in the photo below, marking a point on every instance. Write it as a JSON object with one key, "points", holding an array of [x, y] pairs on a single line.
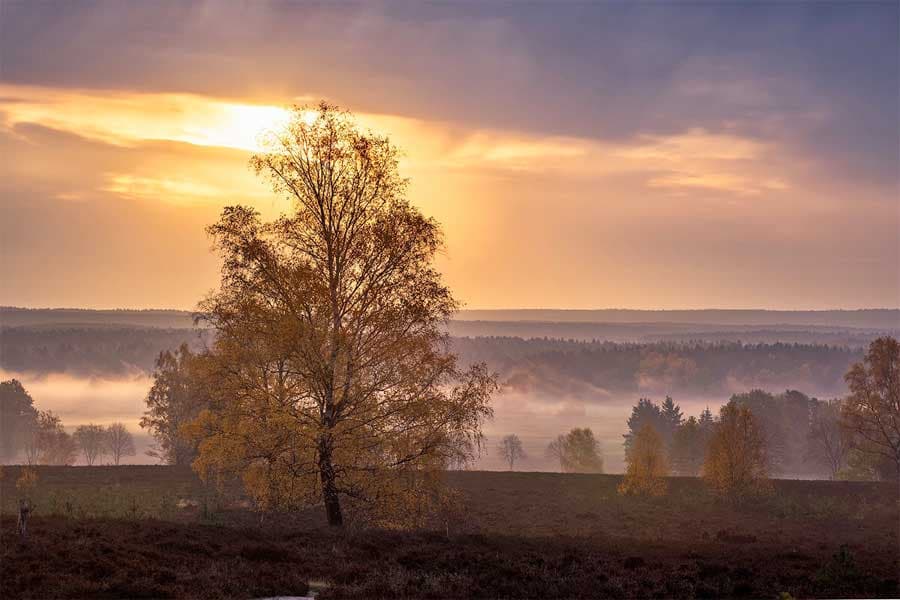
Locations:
{"points": [[736, 464], [91, 441], [177, 396], [333, 375], [510, 448], [689, 447], [872, 409], [829, 440], [577, 451], [647, 467], [17, 418], [119, 442]]}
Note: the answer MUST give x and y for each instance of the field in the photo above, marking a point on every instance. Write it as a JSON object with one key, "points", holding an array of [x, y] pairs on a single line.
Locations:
{"points": [[116, 532]]}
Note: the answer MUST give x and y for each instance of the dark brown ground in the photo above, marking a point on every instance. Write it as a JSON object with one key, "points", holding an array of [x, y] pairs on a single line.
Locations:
{"points": [[121, 534]]}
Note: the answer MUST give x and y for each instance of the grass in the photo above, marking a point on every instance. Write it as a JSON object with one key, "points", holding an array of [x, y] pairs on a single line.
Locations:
{"points": [[520, 535]]}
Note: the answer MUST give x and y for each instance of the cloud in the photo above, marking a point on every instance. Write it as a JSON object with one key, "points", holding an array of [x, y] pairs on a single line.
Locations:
{"points": [[689, 159], [688, 219], [604, 71]]}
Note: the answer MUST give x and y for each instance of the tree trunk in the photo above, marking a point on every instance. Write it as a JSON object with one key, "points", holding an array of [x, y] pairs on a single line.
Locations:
{"points": [[329, 487]]}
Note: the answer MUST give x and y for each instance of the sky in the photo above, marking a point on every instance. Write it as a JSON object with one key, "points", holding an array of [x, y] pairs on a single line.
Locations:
{"points": [[578, 155]]}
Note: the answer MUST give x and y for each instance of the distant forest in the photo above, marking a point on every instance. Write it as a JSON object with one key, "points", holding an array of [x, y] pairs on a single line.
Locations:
{"points": [[108, 351], [558, 367], [538, 365]]}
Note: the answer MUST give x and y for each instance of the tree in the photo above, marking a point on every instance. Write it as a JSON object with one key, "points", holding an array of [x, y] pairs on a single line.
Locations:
{"points": [[578, 452], [119, 442], [688, 448], [556, 450], [647, 469], [736, 464], [645, 412], [665, 419], [872, 410], [91, 440], [672, 419], [48, 443], [175, 399], [767, 414], [511, 450], [829, 441], [583, 452], [334, 378], [17, 418]]}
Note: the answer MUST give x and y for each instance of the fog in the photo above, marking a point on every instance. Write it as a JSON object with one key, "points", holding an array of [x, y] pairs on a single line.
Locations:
{"points": [[100, 400], [536, 418]]}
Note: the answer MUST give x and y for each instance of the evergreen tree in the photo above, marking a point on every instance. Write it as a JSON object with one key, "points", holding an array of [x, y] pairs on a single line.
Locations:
{"points": [[645, 412], [671, 417]]}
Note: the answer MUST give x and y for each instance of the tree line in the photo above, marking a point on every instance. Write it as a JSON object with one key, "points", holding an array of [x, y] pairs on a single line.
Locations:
{"points": [[39, 435], [543, 365], [585, 369], [854, 437], [759, 434], [89, 350]]}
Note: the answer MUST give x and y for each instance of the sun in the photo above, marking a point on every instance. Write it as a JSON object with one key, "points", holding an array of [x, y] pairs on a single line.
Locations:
{"points": [[238, 125]]}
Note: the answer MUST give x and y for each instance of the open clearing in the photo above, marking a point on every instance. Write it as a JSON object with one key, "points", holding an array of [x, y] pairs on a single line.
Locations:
{"points": [[140, 531]]}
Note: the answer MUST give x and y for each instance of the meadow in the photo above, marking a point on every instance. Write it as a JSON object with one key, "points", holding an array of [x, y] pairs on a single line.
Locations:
{"points": [[153, 531]]}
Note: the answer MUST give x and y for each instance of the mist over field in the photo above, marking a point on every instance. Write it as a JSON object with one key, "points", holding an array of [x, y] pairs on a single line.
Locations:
{"points": [[94, 366], [534, 417]]}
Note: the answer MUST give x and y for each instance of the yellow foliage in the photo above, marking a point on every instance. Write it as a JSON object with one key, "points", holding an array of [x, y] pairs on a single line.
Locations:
{"points": [[647, 465], [736, 461], [331, 379]]}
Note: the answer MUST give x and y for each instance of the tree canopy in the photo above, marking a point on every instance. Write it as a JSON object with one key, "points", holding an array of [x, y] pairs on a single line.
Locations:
{"points": [[17, 418], [736, 464], [577, 451], [872, 409], [334, 377], [647, 465]]}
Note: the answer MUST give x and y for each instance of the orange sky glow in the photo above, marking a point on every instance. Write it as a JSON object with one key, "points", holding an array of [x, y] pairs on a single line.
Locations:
{"points": [[108, 188]]}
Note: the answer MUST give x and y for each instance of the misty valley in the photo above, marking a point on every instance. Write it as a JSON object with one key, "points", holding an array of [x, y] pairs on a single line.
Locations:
{"points": [[569, 408]]}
